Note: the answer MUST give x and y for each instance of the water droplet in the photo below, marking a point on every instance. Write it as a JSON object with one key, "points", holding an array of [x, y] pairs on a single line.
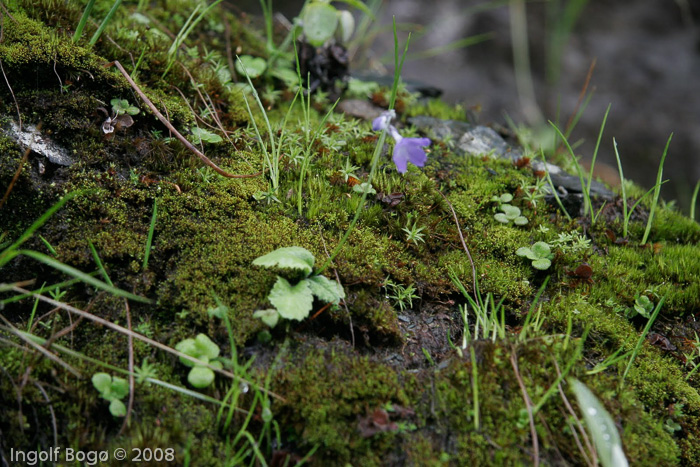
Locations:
{"points": [[592, 411], [244, 387], [606, 437]]}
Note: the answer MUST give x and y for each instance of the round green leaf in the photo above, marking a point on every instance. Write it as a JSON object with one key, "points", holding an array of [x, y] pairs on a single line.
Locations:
{"points": [[293, 257], [119, 387], [526, 252], [292, 302], [117, 408], [506, 198], [205, 347], [320, 22], [200, 377], [500, 217], [251, 66], [541, 249], [511, 212], [520, 220], [187, 347], [541, 264], [102, 382]]}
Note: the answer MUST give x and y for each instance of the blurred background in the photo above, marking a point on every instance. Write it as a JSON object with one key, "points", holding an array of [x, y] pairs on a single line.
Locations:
{"points": [[529, 61]]}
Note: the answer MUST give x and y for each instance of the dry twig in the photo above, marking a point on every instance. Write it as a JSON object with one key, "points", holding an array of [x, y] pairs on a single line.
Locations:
{"points": [[172, 129]]}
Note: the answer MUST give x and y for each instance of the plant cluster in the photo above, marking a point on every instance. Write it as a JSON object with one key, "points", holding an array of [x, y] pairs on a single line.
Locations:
{"points": [[510, 213], [205, 350], [540, 254], [295, 301]]}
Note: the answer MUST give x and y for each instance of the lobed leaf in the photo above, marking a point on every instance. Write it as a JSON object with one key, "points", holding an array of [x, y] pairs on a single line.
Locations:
{"points": [[325, 289], [292, 301], [293, 257]]}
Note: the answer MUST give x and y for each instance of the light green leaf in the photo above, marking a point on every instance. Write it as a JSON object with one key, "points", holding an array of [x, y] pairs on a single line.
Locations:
{"points": [[542, 250], [201, 348], [520, 220], [541, 264], [346, 25], [292, 302], [506, 198], [360, 6], [292, 257], [526, 252], [288, 76], [600, 425], [117, 408], [200, 377], [500, 217], [187, 347], [119, 387], [511, 212], [251, 66], [269, 316], [320, 22], [102, 382], [201, 134], [326, 290]]}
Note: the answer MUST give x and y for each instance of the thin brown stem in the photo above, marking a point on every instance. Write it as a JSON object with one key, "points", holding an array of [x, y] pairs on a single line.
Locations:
{"points": [[528, 406], [461, 238], [19, 168], [130, 343]]}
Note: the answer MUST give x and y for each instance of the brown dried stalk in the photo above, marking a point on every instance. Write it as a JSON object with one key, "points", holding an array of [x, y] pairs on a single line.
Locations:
{"points": [[170, 127]]}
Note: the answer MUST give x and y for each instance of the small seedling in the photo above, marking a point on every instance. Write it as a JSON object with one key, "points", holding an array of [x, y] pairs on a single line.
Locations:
{"points": [[402, 296], [200, 135], [413, 232], [204, 349], [112, 389], [510, 213], [642, 306], [364, 187], [540, 254], [122, 106], [296, 301]]}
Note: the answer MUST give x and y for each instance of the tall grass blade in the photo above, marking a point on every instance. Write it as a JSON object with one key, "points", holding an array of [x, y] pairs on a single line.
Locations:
{"points": [[657, 191]]}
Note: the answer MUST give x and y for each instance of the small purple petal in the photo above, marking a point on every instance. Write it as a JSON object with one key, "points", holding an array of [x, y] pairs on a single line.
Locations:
{"points": [[383, 120], [410, 150]]}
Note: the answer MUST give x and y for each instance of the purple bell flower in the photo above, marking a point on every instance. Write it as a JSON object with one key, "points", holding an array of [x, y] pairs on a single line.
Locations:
{"points": [[406, 149]]}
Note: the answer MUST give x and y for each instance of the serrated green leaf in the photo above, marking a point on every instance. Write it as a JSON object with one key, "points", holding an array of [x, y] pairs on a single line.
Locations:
{"points": [[600, 425], [269, 316], [292, 302], [541, 264], [326, 290], [320, 22], [292, 257], [251, 66], [200, 377]]}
